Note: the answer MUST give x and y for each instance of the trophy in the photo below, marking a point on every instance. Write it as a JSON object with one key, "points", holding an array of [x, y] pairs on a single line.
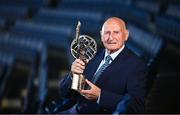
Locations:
{"points": [[83, 47]]}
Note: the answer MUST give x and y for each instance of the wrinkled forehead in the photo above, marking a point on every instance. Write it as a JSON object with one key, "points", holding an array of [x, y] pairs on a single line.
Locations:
{"points": [[114, 22]]}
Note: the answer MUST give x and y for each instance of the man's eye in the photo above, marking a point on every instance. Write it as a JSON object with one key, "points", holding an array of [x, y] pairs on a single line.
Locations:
{"points": [[116, 32], [107, 32]]}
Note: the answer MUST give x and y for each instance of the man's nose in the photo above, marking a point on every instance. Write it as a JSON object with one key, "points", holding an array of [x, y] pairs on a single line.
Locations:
{"points": [[110, 36]]}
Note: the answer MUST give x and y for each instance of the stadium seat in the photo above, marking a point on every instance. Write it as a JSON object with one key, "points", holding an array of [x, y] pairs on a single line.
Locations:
{"points": [[2, 23], [173, 11], [92, 5], [169, 28], [26, 3], [7, 62], [13, 12], [34, 54], [150, 6], [144, 44], [90, 20], [57, 36], [139, 17]]}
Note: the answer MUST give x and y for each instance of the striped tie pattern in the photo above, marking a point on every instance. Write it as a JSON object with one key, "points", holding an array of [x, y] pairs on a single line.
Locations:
{"points": [[102, 68]]}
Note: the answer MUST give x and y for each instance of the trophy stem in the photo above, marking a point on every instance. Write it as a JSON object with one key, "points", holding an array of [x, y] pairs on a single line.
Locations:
{"points": [[78, 82]]}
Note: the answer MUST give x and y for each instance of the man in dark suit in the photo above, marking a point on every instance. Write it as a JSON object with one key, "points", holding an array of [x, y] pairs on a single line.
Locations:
{"points": [[124, 74]]}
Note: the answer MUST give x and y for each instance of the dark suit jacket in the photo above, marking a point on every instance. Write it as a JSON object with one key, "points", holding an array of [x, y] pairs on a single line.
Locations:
{"points": [[125, 75]]}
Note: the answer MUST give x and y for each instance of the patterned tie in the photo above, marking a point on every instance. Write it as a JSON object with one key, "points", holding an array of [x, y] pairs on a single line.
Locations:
{"points": [[102, 68]]}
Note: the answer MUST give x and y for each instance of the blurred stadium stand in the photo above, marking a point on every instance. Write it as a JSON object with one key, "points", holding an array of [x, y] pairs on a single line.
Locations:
{"points": [[35, 38]]}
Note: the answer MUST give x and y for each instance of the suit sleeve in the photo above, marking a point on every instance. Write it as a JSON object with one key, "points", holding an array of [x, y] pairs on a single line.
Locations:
{"points": [[136, 89], [65, 87]]}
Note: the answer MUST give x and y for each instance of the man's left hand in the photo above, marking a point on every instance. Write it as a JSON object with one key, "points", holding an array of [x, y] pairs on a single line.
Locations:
{"points": [[93, 93]]}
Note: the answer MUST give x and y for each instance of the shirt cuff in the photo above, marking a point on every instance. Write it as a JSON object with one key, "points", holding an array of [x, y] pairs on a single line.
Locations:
{"points": [[98, 100]]}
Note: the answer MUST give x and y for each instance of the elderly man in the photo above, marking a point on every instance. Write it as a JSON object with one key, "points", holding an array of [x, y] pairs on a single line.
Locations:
{"points": [[124, 74]]}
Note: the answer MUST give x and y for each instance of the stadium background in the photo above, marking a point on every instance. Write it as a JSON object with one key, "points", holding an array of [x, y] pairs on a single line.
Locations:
{"points": [[35, 38]]}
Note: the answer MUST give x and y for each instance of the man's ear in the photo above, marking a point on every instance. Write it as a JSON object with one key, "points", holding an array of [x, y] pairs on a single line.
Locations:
{"points": [[100, 32], [126, 35]]}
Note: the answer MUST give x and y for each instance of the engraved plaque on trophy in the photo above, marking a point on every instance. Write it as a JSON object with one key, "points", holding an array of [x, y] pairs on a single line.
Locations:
{"points": [[83, 47]]}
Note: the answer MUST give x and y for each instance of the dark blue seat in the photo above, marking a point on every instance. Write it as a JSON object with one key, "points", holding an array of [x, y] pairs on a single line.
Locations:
{"points": [[7, 62], [173, 10], [13, 12], [150, 6], [169, 28], [144, 44], [2, 23], [106, 7], [90, 20], [26, 3], [25, 57], [83, 4], [34, 53], [139, 17], [112, 8], [56, 36], [92, 5]]}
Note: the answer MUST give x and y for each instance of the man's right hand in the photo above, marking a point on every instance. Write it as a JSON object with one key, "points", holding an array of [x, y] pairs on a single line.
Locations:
{"points": [[77, 67]]}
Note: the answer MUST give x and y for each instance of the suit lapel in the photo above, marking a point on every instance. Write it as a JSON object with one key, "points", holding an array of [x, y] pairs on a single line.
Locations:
{"points": [[94, 64], [122, 56]]}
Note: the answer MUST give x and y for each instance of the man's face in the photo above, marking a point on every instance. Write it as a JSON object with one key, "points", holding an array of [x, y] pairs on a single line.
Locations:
{"points": [[113, 36]]}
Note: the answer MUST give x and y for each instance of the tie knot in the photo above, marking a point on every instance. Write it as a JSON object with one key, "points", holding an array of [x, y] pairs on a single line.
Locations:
{"points": [[108, 58]]}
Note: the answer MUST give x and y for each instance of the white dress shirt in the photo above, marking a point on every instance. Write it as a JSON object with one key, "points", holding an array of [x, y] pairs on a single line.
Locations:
{"points": [[113, 56]]}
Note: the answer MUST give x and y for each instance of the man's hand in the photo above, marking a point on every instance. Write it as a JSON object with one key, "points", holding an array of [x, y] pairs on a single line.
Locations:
{"points": [[93, 93], [78, 66]]}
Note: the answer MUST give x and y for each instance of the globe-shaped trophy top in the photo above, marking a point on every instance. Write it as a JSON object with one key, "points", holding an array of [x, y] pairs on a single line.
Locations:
{"points": [[84, 47]]}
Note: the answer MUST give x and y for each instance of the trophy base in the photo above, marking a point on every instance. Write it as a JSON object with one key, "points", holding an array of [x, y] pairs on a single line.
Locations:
{"points": [[78, 82]]}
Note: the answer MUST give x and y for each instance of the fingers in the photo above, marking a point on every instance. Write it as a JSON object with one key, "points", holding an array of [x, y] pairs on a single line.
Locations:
{"points": [[78, 66], [80, 62], [86, 60], [89, 83], [93, 93], [89, 97], [88, 94]]}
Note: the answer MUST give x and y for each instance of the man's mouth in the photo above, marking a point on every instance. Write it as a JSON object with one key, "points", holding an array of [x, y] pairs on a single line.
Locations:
{"points": [[111, 43]]}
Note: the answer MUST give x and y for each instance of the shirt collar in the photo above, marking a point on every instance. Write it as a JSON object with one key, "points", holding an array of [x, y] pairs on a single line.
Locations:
{"points": [[114, 55]]}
